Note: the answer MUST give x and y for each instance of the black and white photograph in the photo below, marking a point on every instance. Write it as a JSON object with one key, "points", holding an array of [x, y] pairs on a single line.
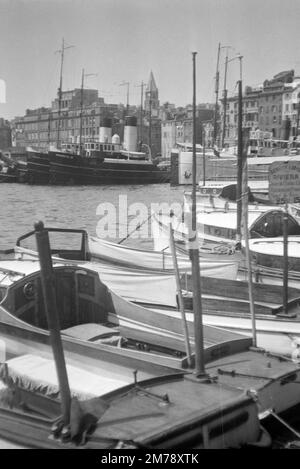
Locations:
{"points": [[149, 227]]}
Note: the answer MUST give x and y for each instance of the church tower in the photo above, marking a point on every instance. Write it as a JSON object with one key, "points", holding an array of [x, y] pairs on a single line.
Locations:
{"points": [[151, 97]]}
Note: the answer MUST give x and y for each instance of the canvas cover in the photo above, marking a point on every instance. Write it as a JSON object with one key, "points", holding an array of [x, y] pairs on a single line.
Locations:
{"points": [[35, 373]]}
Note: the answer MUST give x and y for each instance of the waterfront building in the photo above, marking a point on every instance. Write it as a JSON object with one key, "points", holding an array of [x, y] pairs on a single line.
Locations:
{"points": [[42, 127], [179, 128], [5, 134], [291, 109], [265, 108]]}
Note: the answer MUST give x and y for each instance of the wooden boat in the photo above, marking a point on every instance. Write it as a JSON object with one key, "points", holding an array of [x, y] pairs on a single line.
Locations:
{"points": [[225, 302], [38, 167], [163, 412], [220, 227], [152, 339], [269, 252], [8, 174], [221, 197], [150, 416]]}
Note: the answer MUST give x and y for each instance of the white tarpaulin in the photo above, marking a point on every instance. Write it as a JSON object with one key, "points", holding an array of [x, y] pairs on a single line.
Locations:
{"points": [[155, 260]]}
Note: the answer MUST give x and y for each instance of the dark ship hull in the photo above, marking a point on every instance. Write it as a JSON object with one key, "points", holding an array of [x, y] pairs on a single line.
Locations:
{"points": [[73, 169], [38, 167]]}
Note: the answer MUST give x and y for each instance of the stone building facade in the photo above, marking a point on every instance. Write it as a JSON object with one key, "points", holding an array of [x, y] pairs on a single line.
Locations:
{"points": [[266, 108]]}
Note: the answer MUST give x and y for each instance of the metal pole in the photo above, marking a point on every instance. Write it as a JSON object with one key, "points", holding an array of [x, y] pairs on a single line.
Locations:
{"points": [[239, 165], [48, 287], [225, 100], [60, 90], [180, 298], [246, 239], [217, 98], [62, 52], [204, 162], [141, 120], [194, 253], [285, 260], [150, 121], [81, 112]]}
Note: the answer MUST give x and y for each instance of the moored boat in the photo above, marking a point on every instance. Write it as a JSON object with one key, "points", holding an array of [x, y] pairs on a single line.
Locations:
{"points": [[269, 252], [154, 343]]}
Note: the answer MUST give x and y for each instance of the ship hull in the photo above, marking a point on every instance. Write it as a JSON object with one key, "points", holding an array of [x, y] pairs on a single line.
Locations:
{"points": [[38, 168], [72, 169]]}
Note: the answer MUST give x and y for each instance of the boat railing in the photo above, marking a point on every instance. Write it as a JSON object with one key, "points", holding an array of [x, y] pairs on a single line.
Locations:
{"points": [[84, 250]]}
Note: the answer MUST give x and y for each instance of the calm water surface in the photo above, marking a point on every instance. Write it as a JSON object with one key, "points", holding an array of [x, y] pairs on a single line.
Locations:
{"points": [[71, 206]]}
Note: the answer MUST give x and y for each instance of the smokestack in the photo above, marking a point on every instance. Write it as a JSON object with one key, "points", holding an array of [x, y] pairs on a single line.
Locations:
{"points": [[130, 133], [105, 130]]}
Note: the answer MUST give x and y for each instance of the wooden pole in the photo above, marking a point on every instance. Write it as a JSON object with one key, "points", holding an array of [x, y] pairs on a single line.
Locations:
{"points": [[217, 98], [81, 113], [239, 165], [246, 239], [180, 298], [194, 253], [225, 100], [285, 260], [48, 287], [204, 162]]}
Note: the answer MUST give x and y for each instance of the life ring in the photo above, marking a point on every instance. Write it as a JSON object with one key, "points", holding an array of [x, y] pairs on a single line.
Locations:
{"points": [[29, 290]]}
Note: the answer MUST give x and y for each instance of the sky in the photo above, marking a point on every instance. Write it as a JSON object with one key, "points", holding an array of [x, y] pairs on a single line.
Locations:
{"points": [[123, 40]]}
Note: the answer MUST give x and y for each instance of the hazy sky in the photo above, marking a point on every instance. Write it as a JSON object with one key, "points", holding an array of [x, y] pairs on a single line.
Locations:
{"points": [[123, 40]]}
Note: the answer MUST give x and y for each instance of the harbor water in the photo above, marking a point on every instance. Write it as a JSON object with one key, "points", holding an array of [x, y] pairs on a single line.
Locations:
{"points": [[81, 207]]}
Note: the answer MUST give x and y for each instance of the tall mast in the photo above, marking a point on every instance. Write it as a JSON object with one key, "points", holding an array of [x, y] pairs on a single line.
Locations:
{"points": [[127, 84], [142, 85], [194, 253], [62, 52], [150, 121], [225, 99], [81, 106], [81, 112], [239, 157], [217, 97]]}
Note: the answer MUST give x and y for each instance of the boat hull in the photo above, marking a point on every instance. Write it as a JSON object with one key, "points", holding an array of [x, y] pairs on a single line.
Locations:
{"points": [[38, 168], [72, 169]]}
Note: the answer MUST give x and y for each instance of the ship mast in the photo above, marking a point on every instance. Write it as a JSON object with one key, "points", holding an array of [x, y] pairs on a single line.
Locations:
{"points": [[239, 156], [217, 97], [62, 53], [83, 75], [225, 99], [194, 253], [141, 118]]}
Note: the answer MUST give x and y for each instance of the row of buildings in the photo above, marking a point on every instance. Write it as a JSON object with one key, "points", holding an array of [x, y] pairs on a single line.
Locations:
{"points": [[158, 126], [273, 107]]}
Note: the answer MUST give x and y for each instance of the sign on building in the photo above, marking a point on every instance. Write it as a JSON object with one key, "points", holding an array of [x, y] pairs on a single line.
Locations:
{"points": [[284, 182]]}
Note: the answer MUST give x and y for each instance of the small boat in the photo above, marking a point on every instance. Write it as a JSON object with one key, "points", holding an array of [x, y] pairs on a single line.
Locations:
{"points": [[220, 227], [165, 412], [269, 252], [221, 197], [8, 170], [225, 299], [109, 337], [8, 174], [111, 407]]}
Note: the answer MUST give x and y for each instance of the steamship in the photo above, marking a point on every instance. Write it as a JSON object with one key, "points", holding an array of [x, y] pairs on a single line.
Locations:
{"points": [[106, 161]]}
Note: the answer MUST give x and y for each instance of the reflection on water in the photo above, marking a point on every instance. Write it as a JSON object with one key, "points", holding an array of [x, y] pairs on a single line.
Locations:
{"points": [[72, 207]]}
